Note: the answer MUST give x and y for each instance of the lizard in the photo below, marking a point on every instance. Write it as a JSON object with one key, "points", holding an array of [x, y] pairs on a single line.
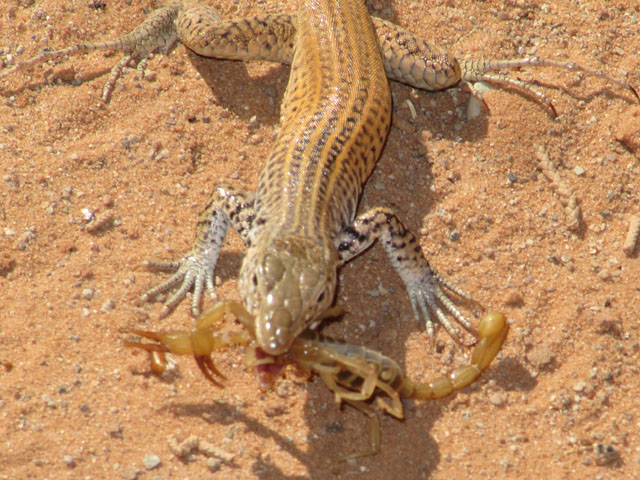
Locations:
{"points": [[302, 225]]}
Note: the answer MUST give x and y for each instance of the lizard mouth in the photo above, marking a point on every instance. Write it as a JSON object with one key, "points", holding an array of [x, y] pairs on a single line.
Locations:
{"points": [[268, 368]]}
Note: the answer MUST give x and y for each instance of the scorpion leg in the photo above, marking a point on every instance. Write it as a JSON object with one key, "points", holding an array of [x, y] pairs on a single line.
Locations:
{"points": [[374, 431]]}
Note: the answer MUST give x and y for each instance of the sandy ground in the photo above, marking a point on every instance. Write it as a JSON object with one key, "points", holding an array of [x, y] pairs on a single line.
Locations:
{"points": [[75, 403]]}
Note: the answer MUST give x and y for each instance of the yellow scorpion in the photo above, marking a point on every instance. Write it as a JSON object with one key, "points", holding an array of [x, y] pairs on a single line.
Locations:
{"points": [[354, 373]]}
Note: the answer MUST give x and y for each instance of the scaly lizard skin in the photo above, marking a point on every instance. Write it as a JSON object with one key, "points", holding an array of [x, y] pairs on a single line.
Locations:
{"points": [[302, 225]]}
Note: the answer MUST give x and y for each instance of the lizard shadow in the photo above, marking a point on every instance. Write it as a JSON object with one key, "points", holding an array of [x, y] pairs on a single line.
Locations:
{"points": [[228, 80]]}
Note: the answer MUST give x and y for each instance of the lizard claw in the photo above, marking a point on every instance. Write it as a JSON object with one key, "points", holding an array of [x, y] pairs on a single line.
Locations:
{"points": [[193, 271], [428, 297]]}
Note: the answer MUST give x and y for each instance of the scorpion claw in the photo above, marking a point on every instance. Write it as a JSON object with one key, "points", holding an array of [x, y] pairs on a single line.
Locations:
{"points": [[208, 369]]}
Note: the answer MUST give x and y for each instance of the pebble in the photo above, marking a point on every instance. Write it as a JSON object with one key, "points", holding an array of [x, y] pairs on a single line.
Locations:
{"points": [[129, 140], [151, 461], [48, 401], [163, 154], [541, 356], [87, 293], [214, 464], [108, 306], [255, 139], [579, 171], [87, 214], [108, 201], [70, 461], [496, 399], [514, 299], [150, 75], [580, 386]]}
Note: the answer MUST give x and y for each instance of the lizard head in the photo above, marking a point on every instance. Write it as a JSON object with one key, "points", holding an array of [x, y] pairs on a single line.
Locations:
{"points": [[288, 286]]}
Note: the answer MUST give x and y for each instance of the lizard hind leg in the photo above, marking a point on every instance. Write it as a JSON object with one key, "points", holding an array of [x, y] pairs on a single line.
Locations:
{"points": [[156, 33]]}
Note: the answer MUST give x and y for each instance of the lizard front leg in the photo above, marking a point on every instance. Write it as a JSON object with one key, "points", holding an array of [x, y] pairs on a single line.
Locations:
{"points": [[226, 208], [424, 285]]}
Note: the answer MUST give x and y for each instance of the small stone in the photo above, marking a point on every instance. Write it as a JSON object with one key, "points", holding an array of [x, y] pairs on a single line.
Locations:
{"points": [[115, 430], [108, 306], [579, 387], [150, 75], [604, 275], [87, 293], [48, 401], [70, 461], [514, 299], [108, 201], [87, 214], [579, 171], [129, 140], [151, 461], [128, 474], [496, 399], [541, 357], [255, 139], [164, 153], [214, 464]]}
